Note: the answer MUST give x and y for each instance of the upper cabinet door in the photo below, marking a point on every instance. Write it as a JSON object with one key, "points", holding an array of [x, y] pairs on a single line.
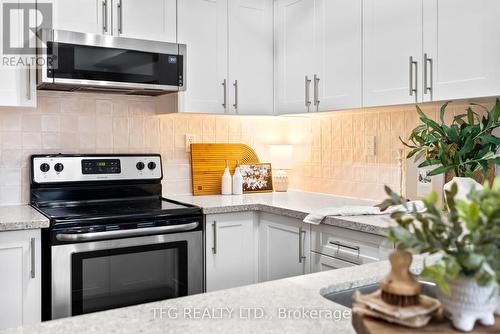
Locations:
{"points": [[152, 19], [392, 33], [338, 55], [294, 47], [17, 81], [88, 16], [251, 57], [461, 39], [203, 27]]}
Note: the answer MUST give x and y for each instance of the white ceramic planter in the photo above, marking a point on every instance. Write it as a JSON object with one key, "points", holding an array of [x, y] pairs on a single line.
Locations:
{"points": [[468, 302], [465, 186]]}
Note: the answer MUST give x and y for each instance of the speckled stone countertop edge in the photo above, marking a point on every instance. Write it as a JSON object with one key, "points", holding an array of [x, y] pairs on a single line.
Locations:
{"points": [[21, 217], [343, 222]]}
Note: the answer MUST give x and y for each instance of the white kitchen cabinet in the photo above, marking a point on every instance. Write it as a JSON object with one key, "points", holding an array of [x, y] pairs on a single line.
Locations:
{"points": [[392, 33], [231, 252], [462, 43], [229, 56], [17, 81], [88, 16], [335, 247], [318, 55], [203, 27], [152, 19], [320, 262], [284, 247], [20, 291], [250, 31], [294, 30], [338, 55]]}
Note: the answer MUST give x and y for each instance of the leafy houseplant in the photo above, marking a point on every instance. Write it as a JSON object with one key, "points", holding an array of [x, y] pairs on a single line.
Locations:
{"points": [[465, 147], [467, 237]]}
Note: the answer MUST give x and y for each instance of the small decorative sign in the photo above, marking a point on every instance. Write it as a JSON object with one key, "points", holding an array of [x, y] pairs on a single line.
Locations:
{"points": [[257, 178]]}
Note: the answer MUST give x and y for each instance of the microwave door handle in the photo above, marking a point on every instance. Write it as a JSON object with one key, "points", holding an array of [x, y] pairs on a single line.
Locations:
{"points": [[91, 236]]}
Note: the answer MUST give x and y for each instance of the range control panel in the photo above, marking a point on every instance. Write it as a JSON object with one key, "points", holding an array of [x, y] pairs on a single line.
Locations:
{"points": [[70, 168], [101, 166]]}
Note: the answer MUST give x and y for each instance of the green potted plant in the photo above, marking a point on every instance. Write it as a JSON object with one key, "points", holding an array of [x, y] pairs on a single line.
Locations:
{"points": [[467, 238], [466, 148]]}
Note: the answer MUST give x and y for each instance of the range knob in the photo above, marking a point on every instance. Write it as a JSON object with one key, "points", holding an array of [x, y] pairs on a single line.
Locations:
{"points": [[45, 167], [152, 165], [140, 165], [59, 167]]}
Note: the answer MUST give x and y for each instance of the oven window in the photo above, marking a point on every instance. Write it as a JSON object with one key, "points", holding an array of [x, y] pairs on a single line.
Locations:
{"points": [[121, 277], [82, 62]]}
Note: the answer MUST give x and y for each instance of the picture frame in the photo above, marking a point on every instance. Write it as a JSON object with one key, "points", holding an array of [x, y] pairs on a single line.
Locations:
{"points": [[257, 178]]}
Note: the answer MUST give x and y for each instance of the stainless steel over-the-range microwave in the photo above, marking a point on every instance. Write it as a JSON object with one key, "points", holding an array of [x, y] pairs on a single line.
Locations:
{"points": [[91, 62]]}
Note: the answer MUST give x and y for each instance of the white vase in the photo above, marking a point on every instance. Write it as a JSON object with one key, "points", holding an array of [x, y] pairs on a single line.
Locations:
{"points": [[465, 185], [468, 302]]}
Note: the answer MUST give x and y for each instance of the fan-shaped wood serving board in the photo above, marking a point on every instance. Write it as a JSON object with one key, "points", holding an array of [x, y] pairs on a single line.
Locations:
{"points": [[209, 160]]}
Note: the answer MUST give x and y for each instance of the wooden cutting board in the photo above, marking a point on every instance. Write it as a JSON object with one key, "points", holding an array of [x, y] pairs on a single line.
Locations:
{"points": [[209, 160], [367, 325]]}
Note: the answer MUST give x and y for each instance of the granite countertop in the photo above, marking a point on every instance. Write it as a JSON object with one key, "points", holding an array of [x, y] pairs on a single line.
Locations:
{"points": [[280, 306], [21, 217], [294, 203]]}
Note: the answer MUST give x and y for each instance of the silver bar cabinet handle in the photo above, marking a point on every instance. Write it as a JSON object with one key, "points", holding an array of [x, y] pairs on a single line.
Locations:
{"points": [[301, 245], [316, 90], [33, 257], [105, 16], [307, 83], [28, 84], [224, 84], [214, 230], [413, 81], [428, 81], [344, 245], [235, 105], [120, 17]]}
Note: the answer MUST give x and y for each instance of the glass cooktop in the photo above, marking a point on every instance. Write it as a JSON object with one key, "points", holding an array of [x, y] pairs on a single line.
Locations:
{"points": [[117, 209]]}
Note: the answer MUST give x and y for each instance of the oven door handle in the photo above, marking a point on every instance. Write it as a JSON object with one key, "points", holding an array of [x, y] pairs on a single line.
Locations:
{"points": [[91, 236]]}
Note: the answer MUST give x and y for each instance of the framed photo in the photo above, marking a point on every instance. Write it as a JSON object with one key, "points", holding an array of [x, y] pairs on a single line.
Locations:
{"points": [[257, 178]]}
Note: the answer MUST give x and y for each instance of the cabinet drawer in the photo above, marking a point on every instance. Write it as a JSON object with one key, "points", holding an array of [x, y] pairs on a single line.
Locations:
{"points": [[320, 262], [353, 246]]}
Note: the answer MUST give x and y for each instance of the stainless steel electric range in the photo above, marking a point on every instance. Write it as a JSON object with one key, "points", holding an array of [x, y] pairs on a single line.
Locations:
{"points": [[113, 240]]}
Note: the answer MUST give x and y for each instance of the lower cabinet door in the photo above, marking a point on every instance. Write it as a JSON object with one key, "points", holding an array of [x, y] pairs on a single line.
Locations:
{"points": [[284, 247], [320, 262], [230, 250], [20, 291]]}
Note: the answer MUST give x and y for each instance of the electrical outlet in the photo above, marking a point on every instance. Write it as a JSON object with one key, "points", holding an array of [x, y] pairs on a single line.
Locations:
{"points": [[189, 141], [370, 145]]}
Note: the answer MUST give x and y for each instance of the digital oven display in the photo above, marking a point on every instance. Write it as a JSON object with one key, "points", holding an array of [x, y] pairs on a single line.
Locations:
{"points": [[104, 166]]}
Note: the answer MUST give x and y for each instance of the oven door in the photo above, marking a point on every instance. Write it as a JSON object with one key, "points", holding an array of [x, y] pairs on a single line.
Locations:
{"points": [[100, 275]]}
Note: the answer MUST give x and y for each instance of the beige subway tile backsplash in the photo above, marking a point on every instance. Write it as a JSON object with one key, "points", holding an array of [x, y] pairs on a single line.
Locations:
{"points": [[330, 153]]}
